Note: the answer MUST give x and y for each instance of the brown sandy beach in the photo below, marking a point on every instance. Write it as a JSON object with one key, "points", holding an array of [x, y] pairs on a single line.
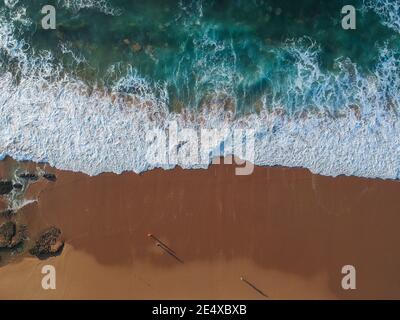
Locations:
{"points": [[287, 231]]}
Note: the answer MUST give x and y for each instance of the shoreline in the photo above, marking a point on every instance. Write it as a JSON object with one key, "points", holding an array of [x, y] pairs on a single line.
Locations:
{"points": [[287, 231]]}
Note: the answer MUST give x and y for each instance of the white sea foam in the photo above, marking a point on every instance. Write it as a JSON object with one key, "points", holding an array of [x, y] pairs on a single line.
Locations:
{"points": [[90, 133], [388, 11], [10, 3], [66, 49], [49, 116], [101, 5]]}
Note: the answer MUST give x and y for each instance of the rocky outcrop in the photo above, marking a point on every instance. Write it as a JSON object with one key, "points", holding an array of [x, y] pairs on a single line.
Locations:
{"points": [[12, 235], [20, 236], [18, 186], [7, 213], [5, 187], [48, 244], [29, 176], [7, 231]]}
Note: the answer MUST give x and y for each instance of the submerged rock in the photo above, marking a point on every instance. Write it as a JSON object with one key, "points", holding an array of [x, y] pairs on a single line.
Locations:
{"points": [[49, 244], [50, 176], [7, 232], [136, 47], [5, 187]]}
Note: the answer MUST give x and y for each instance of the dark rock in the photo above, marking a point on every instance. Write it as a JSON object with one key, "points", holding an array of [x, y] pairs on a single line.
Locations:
{"points": [[20, 236], [50, 176], [7, 232], [49, 244], [18, 186], [28, 176], [5, 187], [7, 213]]}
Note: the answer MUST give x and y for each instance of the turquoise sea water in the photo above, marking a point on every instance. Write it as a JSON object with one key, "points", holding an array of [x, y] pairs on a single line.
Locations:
{"points": [[84, 96], [201, 48]]}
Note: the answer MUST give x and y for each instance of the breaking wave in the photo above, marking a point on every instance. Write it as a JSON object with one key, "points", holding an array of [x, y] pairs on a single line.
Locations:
{"points": [[49, 115]]}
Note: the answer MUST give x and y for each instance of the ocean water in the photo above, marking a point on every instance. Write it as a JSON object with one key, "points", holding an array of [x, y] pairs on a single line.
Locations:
{"points": [[84, 96]]}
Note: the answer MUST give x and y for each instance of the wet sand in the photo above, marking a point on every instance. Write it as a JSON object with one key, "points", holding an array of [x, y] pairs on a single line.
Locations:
{"points": [[287, 231]]}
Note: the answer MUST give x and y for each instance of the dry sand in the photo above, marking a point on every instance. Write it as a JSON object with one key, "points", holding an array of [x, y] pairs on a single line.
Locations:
{"points": [[287, 231]]}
